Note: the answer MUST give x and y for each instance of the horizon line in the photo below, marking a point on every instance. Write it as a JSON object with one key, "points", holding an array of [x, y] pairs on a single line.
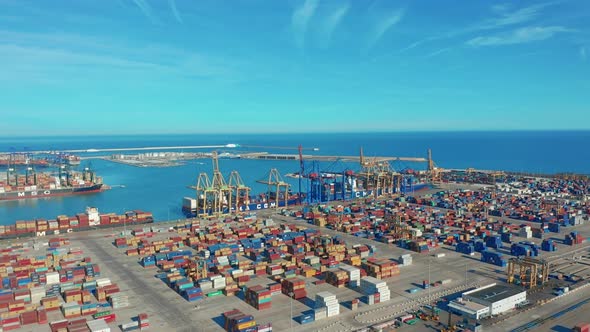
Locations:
{"points": [[302, 133]]}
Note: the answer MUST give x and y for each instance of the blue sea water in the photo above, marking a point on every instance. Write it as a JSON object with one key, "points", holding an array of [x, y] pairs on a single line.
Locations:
{"points": [[160, 190]]}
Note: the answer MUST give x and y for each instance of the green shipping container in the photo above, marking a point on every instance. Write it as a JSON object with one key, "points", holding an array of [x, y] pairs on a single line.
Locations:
{"points": [[101, 314], [214, 294], [186, 286]]}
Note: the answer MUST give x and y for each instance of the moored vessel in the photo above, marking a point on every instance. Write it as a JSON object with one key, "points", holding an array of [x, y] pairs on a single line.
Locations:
{"points": [[90, 219]]}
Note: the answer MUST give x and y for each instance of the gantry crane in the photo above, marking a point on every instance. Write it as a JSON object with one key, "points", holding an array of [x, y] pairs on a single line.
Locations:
{"points": [[367, 174], [529, 270], [275, 182], [316, 184], [338, 182], [433, 171], [301, 173], [388, 179], [240, 191], [378, 175], [495, 175], [197, 268], [30, 176], [11, 172], [205, 194], [223, 195], [215, 196]]}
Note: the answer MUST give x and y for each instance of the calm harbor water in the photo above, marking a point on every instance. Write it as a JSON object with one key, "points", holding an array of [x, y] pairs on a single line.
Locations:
{"points": [[160, 190]]}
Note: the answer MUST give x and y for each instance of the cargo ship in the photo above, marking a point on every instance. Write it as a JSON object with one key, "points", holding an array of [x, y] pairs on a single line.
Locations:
{"points": [[22, 160], [37, 185], [89, 220], [215, 197], [189, 205], [260, 202], [71, 159]]}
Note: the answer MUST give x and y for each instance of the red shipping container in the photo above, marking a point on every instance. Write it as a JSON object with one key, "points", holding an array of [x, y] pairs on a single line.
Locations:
{"points": [[41, 316], [57, 325], [27, 318], [12, 327], [299, 294], [109, 318], [582, 327], [11, 320]]}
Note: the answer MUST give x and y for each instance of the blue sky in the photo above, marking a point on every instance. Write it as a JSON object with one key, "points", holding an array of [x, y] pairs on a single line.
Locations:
{"points": [[185, 66]]}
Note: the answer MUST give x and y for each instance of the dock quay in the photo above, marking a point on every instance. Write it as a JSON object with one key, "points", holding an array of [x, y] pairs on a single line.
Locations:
{"points": [[281, 156], [375, 260]]}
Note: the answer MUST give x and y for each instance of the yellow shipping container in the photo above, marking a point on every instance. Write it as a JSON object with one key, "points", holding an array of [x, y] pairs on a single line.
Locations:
{"points": [[246, 325]]}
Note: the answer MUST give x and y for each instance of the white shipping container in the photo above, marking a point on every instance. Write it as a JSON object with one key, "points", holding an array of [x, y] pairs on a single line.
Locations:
{"points": [[205, 284], [103, 282], [325, 295], [129, 325], [189, 203], [277, 272], [52, 278], [238, 271], [320, 313], [330, 303], [98, 325]]}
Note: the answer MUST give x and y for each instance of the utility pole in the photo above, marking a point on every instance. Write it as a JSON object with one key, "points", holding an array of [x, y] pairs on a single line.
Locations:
{"points": [[429, 261], [291, 320], [465, 272]]}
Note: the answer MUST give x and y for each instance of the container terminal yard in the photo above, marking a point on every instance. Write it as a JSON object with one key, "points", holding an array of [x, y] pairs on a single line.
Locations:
{"points": [[500, 252]]}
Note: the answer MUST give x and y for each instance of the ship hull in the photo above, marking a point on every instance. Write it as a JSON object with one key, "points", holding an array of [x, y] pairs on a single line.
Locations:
{"points": [[33, 194], [72, 229], [78, 223], [192, 212]]}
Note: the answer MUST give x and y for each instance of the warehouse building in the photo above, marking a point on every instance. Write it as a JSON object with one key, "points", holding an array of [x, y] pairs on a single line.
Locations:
{"points": [[488, 300]]}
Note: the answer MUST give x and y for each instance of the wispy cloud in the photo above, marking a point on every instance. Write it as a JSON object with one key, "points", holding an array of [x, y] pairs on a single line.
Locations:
{"points": [[583, 53], [146, 9], [518, 36], [172, 4], [500, 7], [506, 18], [437, 52], [384, 25], [300, 20], [332, 22], [48, 58]]}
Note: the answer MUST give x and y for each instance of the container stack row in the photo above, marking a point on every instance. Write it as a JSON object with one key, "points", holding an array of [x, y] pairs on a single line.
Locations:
{"points": [[353, 273], [294, 287], [493, 258], [236, 321], [527, 249], [60, 280], [574, 238], [376, 290], [548, 245], [326, 305], [380, 268], [259, 297]]}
